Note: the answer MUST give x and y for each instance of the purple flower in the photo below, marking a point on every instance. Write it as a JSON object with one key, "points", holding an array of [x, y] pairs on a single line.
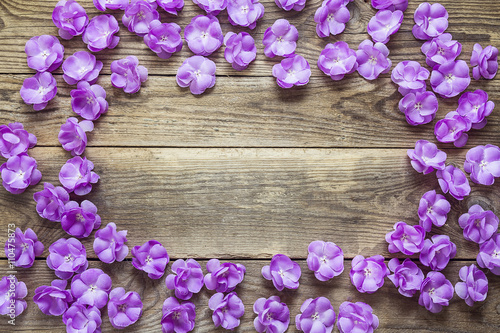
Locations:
{"points": [[50, 202], [405, 238], [124, 309], [12, 293], [436, 291], [89, 102], [102, 5], [483, 164], [39, 90], [356, 317], [223, 277], [426, 157], [325, 259], [384, 24], [177, 317], [197, 73], [244, 13], [331, 17], [317, 316], [53, 300], [433, 209], [22, 248], [70, 18], [390, 4], [72, 135], [450, 78], [430, 21], [240, 50], [91, 288], [171, 6], [14, 140], [138, 16], [368, 275], [150, 257], [81, 66], [127, 74], [407, 276], [227, 310], [272, 315], [478, 224], [204, 35], [80, 221], [474, 287], [437, 252], [44, 53], [288, 5], [441, 49], [100, 33], [164, 39], [452, 129], [489, 254], [280, 39], [19, 172], [419, 107], [292, 71], [79, 318], [284, 272], [410, 77], [109, 244], [67, 256], [336, 60], [475, 107], [77, 175], [372, 59], [213, 7], [484, 62], [186, 280], [453, 179]]}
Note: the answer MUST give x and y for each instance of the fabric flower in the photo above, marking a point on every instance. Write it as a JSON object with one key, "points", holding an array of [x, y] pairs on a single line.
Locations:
{"points": [[437, 252], [410, 77], [331, 17], [430, 21], [150, 257], [392, 5], [484, 62], [336, 60], [227, 310], [186, 280], [70, 18], [441, 49], [368, 275], [100, 33], [138, 16], [405, 238], [91, 288], [177, 317], [223, 277], [433, 209], [426, 157], [127, 74], [372, 59], [171, 6], [475, 107], [419, 108], [384, 24], [244, 13], [79, 221], [284, 272], [44, 53], [288, 5], [356, 317], [204, 35], [240, 50], [450, 78], [436, 291], [19, 172], [12, 294], [272, 315], [77, 175], [124, 309], [102, 5], [325, 259], [67, 256], [89, 102], [292, 71], [72, 135], [407, 276], [79, 318], [81, 66], [453, 179], [489, 254], [39, 90], [213, 7], [280, 39], [15, 140], [50, 202], [452, 129], [109, 244], [164, 39], [478, 224], [53, 300], [483, 164], [317, 315], [197, 73], [22, 248], [474, 287]]}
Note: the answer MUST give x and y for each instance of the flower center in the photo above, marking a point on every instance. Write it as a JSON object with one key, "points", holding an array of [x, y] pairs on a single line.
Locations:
{"points": [[281, 273], [449, 77], [280, 39], [149, 259], [79, 217], [496, 254], [224, 309], [122, 307], [92, 288], [387, 27], [323, 259], [476, 108], [269, 316], [90, 100], [372, 60], [244, 9], [163, 38], [25, 246], [477, 222], [45, 54], [418, 106], [197, 73], [69, 19], [20, 174], [315, 316], [432, 291], [68, 258], [204, 34], [483, 164], [429, 210], [41, 91], [330, 17], [404, 237], [441, 51], [82, 70], [291, 72], [141, 15], [367, 272]]}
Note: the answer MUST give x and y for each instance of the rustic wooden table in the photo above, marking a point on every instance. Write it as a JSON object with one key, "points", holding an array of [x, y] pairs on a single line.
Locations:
{"points": [[248, 169]]}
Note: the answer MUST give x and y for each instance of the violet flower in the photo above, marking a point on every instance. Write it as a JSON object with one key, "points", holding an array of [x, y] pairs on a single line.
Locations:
{"points": [[317, 315], [25, 247], [44, 53], [204, 35], [433, 209], [197, 73], [483, 164], [419, 107], [91, 288], [12, 294], [164, 39], [272, 315], [79, 221], [452, 129], [89, 102], [138, 16], [102, 5], [244, 13], [280, 39], [50, 202], [450, 78], [426, 157], [77, 175], [453, 180], [325, 259], [72, 135], [478, 224], [372, 59], [227, 310], [441, 49], [430, 21], [223, 277], [109, 244], [436, 291], [384, 24], [288, 5], [171, 6], [474, 287], [484, 62], [489, 254], [368, 275], [39, 90], [15, 140], [177, 317], [407, 276], [410, 77], [240, 50], [81, 66], [336, 60], [437, 252], [127, 74], [19, 172], [150, 257], [100, 33], [53, 300], [356, 317], [284, 272], [405, 238], [124, 309], [186, 280], [70, 18], [392, 5], [66, 257], [79, 318], [292, 71], [475, 107], [331, 18], [213, 7]]}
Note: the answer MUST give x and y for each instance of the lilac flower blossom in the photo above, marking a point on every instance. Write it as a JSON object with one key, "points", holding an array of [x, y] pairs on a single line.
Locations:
{"points": [[419, 107], [437, 252], [197, 73], [50, 202], [79, 221], [453, 180], [81, 66], [433, 209], [100, 33], [66, 257], [317, 315], [150, 257], [392, 5], [213, 7], [109, 244], [89, 102], [186, 280], [384, 24], [91, 288], [44, 53], [177, 317], [407, 276], [325, 259], [336, 60], [450, 78], [284, 272], [280, 39], [475, 107], [79, 318], [272, 315], [223, 277], [405, 238], [489, 254], [474, 287], [441, 49], [12, 301], [127, 74], [171, 6], [436, 291], [39, 90], [478, 224], [164, 39], [484, 62], [72, 135], [331, 17], [368, 275], [19, 172], [204, 35], [70, 18], [124, 309], [426, 157], [410, 77], [77, 175], [138, 16], [372, 59], [430, 21], [292, 71], [102, 5], [24, 247], [356, 317], [53, 300], [240, 50], [288, 5], [483, 164], [244, 13], [452, 129], [227, 310], [15, 140]]}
